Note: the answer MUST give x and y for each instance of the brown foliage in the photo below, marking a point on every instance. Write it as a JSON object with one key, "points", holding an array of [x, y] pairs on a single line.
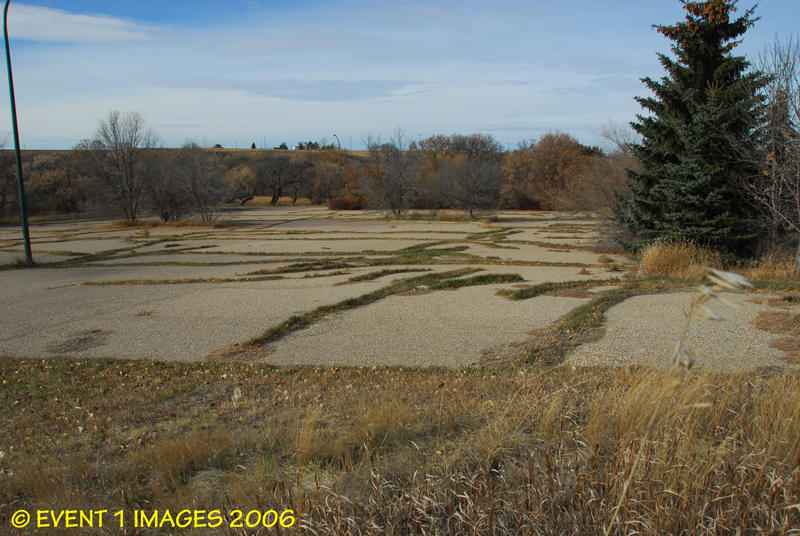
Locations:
{"points": [[538, 175], [347, 203]]}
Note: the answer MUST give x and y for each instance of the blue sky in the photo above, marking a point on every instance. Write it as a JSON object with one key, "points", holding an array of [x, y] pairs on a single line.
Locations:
{"points": [[246, 71]]}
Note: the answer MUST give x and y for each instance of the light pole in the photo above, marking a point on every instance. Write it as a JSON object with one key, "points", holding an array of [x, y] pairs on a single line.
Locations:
{"points": [[340, 164], [20, 186]]}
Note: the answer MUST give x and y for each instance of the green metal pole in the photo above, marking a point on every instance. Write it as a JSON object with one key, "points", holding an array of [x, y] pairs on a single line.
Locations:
{"points": [[22, 214], [340, 164]]}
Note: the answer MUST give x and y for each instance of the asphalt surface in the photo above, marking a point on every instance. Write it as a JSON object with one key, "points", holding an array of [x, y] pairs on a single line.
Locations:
{"points": [[51, 310]]}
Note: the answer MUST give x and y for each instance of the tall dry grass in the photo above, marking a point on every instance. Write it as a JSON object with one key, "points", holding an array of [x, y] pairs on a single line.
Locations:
{"points": [[773, 267], [678, 259], [404, 451]]}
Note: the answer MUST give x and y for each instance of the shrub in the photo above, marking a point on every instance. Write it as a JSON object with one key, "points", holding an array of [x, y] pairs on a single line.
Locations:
{"points": [[355, 202]]}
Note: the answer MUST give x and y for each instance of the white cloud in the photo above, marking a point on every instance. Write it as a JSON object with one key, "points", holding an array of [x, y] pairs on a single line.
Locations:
{"points": [[36, 23], [300, 89]]}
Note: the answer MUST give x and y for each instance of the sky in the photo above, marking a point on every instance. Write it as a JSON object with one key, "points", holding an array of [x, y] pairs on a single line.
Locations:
{"points": [[248, 71]]}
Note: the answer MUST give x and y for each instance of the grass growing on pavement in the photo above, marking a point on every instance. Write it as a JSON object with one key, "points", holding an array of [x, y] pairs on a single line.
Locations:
{"points": [[543, 288], [483, 279], [306, 267], [434, 281], [301, 321], [380, 273], [184, 281], [549, 346]]}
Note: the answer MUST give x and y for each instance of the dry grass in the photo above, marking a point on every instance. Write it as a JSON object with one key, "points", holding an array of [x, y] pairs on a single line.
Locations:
{"points": [[44, 218], [524, 292], [770, 268], [678, 260], [155, 223], [786, 324], [791, 346], [685, 260], [777, 321], [404, 451], [784, 300], [427, 215]]}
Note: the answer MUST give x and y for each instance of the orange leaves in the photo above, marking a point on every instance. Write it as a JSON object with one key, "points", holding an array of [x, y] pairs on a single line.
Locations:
{"points": [[538, 175]]}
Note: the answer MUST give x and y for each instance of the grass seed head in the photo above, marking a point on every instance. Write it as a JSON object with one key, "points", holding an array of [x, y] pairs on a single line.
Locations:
{"points": [[728, 280]]}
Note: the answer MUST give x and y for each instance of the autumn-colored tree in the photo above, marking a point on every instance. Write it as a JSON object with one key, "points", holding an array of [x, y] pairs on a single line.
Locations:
{"points": [[353, 187], [430, 153], [537, 175]]}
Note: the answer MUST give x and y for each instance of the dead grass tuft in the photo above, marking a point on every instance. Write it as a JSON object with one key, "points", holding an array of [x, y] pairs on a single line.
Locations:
{"points": [[791, 346], [782, 323], [678, 260], [777, 322], [571, 293], [785, 300], [770, 268]]}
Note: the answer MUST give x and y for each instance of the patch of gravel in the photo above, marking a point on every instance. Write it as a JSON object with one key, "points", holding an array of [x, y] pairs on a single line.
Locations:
{"points": [[442, 328], [644, 330]]}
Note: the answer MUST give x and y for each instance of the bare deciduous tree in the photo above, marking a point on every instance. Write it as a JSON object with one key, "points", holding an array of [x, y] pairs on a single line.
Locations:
{"points": [[123, 141], [272, 175], [8, 179], [56, 183], [393, 177], [199, 172], [242, 184], [164, 192], [298, 178], [776, 187], [472, 183]]}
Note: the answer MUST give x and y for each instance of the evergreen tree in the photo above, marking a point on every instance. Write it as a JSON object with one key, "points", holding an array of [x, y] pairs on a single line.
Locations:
{"points": [[701, 114]]}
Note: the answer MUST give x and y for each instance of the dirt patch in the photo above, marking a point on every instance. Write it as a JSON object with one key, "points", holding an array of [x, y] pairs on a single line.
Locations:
{"points": [[79, 341]]}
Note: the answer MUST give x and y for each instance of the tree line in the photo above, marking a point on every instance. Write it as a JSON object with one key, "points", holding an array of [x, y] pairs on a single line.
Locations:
{"points": [[714, 159], [123, 172]]}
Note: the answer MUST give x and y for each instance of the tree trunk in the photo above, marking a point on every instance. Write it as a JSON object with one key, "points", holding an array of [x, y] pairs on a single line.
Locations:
{"points": [[276, 194], [797, 259]]}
